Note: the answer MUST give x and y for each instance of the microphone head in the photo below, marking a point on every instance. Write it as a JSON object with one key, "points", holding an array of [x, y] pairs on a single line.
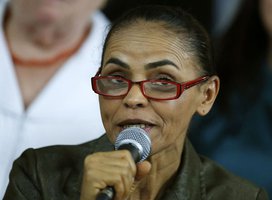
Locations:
{"points": [[137, 137]]}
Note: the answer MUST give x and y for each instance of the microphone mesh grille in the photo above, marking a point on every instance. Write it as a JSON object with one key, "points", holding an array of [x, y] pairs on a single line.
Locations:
{"points": [[138, 135]]}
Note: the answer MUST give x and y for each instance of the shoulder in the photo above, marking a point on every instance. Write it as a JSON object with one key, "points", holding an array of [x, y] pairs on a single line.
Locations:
{"points": [[206, 179], [53, 171], [221, 184], [59, 156], [100, 17], [100, 23]]}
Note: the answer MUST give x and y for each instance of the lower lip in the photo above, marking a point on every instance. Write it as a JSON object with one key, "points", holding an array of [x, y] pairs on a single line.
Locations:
{"points": [[146, 129]]}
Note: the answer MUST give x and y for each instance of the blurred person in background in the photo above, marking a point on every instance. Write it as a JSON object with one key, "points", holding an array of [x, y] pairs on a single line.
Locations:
{"points": [[238, 131], [222, 14], [48, 51]]}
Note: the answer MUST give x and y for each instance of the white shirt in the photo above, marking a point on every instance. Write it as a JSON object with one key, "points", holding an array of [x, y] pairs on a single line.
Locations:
{"points": [[65, 112]]}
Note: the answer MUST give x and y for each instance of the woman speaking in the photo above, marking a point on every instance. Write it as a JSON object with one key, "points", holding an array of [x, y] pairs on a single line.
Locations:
{"points": [[156, 73]]}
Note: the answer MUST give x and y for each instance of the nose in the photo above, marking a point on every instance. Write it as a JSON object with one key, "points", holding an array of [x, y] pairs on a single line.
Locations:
{"points": [[135, 98]]}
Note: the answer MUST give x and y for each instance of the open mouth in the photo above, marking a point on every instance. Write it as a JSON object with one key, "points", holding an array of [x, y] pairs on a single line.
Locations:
{"points": [[146, 127]]}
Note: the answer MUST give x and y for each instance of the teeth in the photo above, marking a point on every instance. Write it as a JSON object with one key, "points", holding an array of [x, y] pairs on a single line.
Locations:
{"points": [[135, 125]]}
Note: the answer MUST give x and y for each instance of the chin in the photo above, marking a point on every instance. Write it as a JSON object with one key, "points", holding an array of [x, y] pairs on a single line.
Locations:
{"points": [[47, 17]]}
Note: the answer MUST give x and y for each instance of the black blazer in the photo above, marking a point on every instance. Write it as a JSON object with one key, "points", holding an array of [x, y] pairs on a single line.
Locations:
{"points": [[55, 173]]}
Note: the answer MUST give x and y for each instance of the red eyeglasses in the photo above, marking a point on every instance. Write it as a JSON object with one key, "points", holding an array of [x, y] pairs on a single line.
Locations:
{"points": [[114, 86]]}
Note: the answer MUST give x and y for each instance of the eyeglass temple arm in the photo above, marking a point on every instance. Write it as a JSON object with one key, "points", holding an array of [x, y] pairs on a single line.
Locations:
{"points": [[195, 82]]}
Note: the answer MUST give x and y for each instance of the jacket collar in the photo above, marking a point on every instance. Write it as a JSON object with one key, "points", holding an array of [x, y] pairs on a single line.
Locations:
{"points": [[189, 182]]}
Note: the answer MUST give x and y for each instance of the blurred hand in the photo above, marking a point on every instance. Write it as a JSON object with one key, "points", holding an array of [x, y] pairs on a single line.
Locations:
{"points": [[116, 169]]}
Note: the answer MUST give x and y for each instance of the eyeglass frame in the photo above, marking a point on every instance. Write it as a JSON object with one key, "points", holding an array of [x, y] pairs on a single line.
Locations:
{"points": [[181, 87]]}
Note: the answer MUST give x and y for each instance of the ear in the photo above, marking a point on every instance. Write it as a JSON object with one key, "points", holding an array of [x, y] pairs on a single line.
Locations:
{"points": [[209, 92]]}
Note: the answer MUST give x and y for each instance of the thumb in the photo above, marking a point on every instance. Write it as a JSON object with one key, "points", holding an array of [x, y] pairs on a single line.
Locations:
{"points": [[143, 169]]}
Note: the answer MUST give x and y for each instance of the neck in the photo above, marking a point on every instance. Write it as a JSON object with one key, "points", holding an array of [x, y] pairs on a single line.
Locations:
{"points": [[43, 47], [55, 36], [164, 167]]}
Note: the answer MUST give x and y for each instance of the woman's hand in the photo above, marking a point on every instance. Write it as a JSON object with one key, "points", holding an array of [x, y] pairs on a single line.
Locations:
{"points": [[116, 169]]}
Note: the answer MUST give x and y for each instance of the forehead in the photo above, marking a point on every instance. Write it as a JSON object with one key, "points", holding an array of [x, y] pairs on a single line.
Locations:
{"points": [[149, 40], [146, 34]]}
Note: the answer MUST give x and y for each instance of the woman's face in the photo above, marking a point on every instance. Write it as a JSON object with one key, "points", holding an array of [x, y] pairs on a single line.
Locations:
{"points": [[48, 11], [140, 53], [266, 15]]}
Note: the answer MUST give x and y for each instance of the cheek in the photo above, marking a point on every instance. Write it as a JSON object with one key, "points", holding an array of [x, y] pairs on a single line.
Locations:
{"points": [[170, 133], [179, 118], [178, 113], [107, 109], [175, 116], [110, 109]]}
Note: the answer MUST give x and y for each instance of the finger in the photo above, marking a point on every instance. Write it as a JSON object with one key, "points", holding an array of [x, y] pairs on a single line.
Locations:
{"points": [[111, 158], [108, 169], [143, 168], [122, 178], [122, 186]]}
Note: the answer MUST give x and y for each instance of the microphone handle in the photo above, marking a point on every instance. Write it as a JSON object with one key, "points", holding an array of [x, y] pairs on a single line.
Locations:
{"points": [[134, 151], [106, 194]]}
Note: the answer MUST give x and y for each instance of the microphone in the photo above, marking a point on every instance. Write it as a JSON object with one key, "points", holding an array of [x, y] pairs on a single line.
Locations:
{"points": [[138, 143]]}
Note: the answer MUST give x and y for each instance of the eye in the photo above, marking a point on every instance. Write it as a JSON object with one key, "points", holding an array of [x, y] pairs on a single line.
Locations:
{"points": [[118, 80], [161, 83], [164, 77], [161, 86]]}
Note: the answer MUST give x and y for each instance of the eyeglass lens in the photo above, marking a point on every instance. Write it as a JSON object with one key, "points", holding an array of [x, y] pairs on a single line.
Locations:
{"points": [[158, 89]]}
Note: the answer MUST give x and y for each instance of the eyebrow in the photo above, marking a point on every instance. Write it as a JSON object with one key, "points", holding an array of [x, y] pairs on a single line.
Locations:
{"points": [[117, 62], [160, 63], [148, 66]]}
